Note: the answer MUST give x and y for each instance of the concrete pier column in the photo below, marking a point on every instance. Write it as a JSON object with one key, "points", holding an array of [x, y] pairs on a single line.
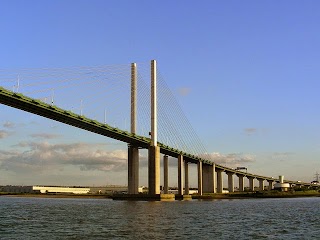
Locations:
{"points": [[251, 184], [180, 180], [230, 182], [219, 181], [154, 170], [199, 165], [261, 184], [133, 170], [241, 182], [208, 176], [270, 186], [186, 178], [214, 178], [165, 175]]}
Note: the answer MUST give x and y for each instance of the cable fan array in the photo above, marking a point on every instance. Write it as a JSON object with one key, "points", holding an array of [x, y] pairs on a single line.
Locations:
{"points": [[103, 93]]}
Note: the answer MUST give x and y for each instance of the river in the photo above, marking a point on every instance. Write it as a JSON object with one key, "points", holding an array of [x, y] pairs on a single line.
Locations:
{"points": [[65, 218]]}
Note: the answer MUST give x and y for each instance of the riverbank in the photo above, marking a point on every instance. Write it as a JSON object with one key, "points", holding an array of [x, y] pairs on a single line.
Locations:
{"points": [[245, 195], [272, 194], [39, 195]]}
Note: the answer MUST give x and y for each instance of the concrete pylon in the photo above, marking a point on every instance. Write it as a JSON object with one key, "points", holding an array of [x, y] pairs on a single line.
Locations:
{"points": [[241, 182], [251, 183], [270, 186], [186, 178], [199, 165], [133, 170], [133, 97], [154, 130], [133, 151], [180, 179], [165, 175], [230, 182], [214, 178], [154, 170], [219, 181], [209, 178], [154, 150], [261, 184]]}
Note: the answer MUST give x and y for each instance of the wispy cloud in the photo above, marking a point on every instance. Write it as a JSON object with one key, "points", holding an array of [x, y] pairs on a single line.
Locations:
{"points": [[3, 134], [45, 156], [184, 91], [250, 131], [8, 124], [231, 159], [45, 135], [281, 156]]}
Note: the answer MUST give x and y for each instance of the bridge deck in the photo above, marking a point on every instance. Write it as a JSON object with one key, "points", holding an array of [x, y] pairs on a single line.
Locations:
{"points": [[40, 108]]}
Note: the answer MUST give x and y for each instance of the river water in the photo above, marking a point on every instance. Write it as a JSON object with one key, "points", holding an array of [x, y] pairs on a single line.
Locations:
{"points": [[58, 218]]}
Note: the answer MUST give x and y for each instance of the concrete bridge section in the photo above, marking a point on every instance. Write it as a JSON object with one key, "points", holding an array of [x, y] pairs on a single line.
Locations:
{"points": [[210, 175], [211, 178]]}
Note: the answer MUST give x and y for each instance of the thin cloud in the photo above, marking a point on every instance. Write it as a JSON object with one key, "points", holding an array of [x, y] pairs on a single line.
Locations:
{"points": [[3, 134], [281, 156], [45, 135], [250, 131], [46, 157], [8, 124], [184, 91], [231, 159]]}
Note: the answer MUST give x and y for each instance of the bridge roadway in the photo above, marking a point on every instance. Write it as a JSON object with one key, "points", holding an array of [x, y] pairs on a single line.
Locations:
{"points": [[22, 102]]}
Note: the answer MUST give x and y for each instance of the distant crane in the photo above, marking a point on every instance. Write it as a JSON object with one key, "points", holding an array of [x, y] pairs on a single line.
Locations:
{"points": [[316, 177], [316, 180]]}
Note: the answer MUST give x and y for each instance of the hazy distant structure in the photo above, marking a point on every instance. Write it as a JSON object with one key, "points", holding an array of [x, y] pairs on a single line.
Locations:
{"points": [[317, 177], [73, 190], [281, 185], [316, 180], [64, 189]]}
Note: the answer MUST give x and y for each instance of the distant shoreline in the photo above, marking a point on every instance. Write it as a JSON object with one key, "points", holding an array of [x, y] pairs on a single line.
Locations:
{"points": [[203, 197], [37, 195], [266, 194]]}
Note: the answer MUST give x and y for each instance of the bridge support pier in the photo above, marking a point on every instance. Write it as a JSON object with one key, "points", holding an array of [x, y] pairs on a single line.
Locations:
{"points": [[199, 165], [251, 184], [208, 176], [241, 182], [186, 178], [133, 170], [230, 182], [261, 184], [154, 170], [180, 180], [219, 181], [165, 175], [270, 186]]}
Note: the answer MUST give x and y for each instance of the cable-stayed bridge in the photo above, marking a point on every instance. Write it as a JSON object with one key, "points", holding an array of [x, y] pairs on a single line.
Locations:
{"points": [[123, 99]]}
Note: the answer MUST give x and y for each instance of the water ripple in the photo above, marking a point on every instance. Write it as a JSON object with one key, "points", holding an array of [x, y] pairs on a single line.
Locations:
{"points": [[40, 218]]}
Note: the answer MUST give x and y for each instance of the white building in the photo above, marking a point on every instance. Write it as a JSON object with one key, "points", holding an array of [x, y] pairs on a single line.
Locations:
{"points": [[74, 190], [281, 185]]}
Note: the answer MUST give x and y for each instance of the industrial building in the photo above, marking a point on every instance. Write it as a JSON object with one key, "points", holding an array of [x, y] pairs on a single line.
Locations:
{"points": [[63, 189]]}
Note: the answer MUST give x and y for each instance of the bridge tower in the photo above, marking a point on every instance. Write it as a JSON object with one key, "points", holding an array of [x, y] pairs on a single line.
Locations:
{"points": [[154, 150], [133, 151]]}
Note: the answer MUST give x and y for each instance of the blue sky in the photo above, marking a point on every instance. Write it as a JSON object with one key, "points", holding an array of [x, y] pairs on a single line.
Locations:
{"points": [[249, 74]]}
